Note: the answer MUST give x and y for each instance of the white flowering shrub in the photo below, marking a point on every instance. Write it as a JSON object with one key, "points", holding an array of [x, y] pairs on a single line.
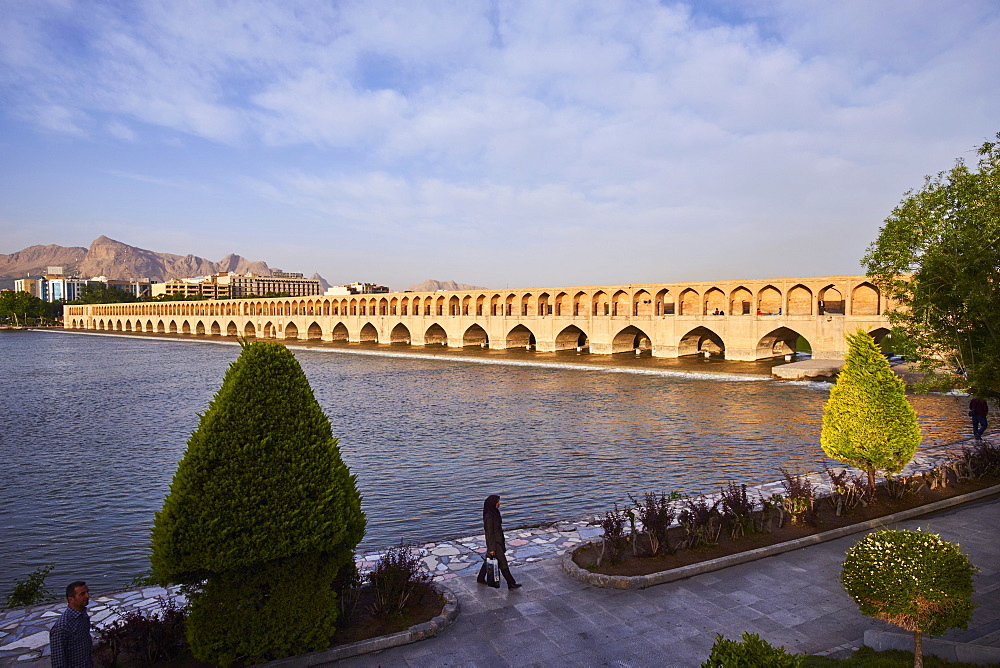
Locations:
{"points": [[913, 579]]}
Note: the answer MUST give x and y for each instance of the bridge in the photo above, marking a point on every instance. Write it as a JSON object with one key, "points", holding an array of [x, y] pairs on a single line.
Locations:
{"points": [[739, 320]]}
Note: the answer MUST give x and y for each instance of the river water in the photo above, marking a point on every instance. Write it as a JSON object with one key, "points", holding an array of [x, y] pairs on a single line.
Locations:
{"points": [[92, 428]]}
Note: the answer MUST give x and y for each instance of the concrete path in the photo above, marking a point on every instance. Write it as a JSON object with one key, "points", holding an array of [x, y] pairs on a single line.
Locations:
{"points": [[792, 599]]}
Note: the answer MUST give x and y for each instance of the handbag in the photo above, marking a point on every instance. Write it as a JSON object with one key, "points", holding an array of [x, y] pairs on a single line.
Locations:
{"points": [[493, 572]]}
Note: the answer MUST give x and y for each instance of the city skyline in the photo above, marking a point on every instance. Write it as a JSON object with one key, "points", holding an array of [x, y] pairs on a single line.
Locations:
{"points": [[496, 144]]}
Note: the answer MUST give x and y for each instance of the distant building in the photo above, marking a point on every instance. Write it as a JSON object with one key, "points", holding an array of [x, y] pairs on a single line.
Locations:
{"points": [[229, 284], [357, 289], [55, 286]]}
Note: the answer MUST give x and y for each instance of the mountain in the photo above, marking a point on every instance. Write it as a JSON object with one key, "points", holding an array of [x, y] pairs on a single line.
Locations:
{"points": [[430, 285], [107, 257]]}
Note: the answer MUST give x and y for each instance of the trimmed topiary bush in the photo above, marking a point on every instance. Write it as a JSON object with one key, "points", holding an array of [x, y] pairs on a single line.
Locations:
{"points": [[867, 422], [751, 651], [912, 579], [261, 517]]}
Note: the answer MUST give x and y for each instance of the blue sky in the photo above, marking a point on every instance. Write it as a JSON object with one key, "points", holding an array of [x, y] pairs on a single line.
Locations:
{"points": [[537, 143]]}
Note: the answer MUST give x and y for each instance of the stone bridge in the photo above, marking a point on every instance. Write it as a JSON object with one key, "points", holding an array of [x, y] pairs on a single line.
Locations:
{"points": [[740, 320]]}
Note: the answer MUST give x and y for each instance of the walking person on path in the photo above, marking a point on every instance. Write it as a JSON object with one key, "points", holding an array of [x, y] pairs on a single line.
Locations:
{"points": [[978, 408], [69, 639], [495, 544]]}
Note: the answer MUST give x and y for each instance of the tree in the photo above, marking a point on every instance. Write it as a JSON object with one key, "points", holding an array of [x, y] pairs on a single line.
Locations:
{"points": [[947, 235], [21, 306], [104, 294], [261, 517], [912, 579], [867, 421]]}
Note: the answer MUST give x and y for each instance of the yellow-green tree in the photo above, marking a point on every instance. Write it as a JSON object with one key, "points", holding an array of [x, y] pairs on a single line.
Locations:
{"points": [[867, 421], [261, 518]]}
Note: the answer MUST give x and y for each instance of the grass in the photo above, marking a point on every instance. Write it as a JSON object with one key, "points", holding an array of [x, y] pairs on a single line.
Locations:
{"points": [[866, 657]]}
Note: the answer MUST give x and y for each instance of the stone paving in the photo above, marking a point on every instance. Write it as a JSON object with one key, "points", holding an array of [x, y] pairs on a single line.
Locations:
{"points": [[24, 631]]}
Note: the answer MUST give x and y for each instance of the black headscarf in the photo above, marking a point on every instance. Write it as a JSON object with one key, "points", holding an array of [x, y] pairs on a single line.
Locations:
{"points": [[490, 507]]}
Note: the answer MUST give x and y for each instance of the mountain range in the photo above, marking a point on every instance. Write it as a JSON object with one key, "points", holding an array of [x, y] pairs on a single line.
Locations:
{"points": [[430, 285], [117, 260]]}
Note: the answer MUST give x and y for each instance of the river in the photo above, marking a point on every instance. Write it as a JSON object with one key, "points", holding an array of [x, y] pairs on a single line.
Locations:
{"points": [[92, 428]]}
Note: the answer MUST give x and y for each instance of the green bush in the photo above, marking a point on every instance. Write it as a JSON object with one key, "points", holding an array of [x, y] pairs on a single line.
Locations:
{"points": [[394, 579], [261, 516], [867, 421], [912, 579], [751, 651], [30, 590]]}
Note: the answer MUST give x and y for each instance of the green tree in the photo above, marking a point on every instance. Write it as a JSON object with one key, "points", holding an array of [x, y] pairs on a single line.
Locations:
{"points": [[947, 234], [20, 307], [261, 517], [912, 579], [867, 421], [104, 294]]}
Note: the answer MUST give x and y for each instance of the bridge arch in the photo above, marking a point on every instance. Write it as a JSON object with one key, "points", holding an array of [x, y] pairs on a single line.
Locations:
{"points": [[600, 304], [631, 339], [572, 338], [778, 343], [199, 328], [701, 341], [689, 302], [216, 328], [250, 331], [435, 336], [291, 331], [581, 306], [800, 301], [268, 332], [520, 337], [173, 327], [865, 300], [621, 304], [475, 336], [231, 329], [642, 304], [339, 333], [665, 302], [400, 334], [715, 300], [832, 301], [368, 334], [314, 331], [740, 301], [769, 300]]}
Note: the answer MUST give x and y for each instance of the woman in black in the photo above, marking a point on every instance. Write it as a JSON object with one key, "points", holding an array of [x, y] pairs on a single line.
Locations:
{"points": [[495, 545]]}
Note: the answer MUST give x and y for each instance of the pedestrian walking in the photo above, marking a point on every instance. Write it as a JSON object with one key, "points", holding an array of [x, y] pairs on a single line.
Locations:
{"points": [[978, 408], [69, 639], [495, 544]]}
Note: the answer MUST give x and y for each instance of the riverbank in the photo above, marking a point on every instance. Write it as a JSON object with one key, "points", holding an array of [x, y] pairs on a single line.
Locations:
{"points": [[24, 631]]}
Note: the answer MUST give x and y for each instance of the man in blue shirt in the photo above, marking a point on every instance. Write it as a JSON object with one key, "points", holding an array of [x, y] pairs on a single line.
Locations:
{"points": [[69, 639]]}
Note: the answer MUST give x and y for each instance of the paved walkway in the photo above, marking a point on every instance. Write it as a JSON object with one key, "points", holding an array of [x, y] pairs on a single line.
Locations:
{"points": [[562, 614], [793, 599]]}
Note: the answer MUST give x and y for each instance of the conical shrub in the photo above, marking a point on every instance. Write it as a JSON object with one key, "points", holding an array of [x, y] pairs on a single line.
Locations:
{"points": [[867, 421], [261, 494]]}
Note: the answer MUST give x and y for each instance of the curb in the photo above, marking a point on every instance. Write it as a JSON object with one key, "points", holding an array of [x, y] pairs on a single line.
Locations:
{"points": [[412, 634], [643, 581], [949, 650]]}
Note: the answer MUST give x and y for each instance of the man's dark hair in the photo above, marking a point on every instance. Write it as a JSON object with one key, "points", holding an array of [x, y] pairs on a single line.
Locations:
{"points": [[71, 588]]}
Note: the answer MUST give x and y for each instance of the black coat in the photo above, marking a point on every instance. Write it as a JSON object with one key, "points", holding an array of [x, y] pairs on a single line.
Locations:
{"points": [[493, 528]]}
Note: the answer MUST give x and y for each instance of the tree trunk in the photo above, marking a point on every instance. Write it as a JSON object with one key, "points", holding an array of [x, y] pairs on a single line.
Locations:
{"points": [[871, 481], [918, 652]]}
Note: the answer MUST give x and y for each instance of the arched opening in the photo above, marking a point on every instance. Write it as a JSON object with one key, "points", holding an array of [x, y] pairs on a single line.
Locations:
{"points": [[631, 340], [199, 329], [291, 331], [883, 338], [572, 338], [831, 301], [782, 342], [865, 300], [715, 302], [314, 332], [149, 325], [600, 304], [689, 303], [173, 327], [128, 325], [161, 328], [769, 301], [339, 332], [232, 329], [664, 303], [740, 301], [400, 334], [185, 327], [642, 304], [435, 336], [268, 332], [454, 306], [701, 341], [118, 326], [476, 336], [800, 300], [562, 305], [249, 331], [621, 304], [521, 337], [368, 334], [581, 305], [216, 329]]}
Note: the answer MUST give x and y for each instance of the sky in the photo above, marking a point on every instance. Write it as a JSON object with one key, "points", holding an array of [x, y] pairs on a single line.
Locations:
{"points": [[499, 144]]}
